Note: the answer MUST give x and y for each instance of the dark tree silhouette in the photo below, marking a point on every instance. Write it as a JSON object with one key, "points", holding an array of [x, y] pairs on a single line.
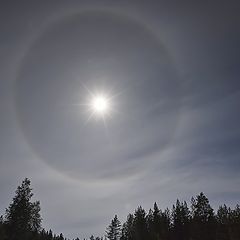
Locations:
{"points": [[234, 226], [127, 228], [155, 226], [2, 229], [140, 224], [223, 219], [22, 221], [166, 224], [22, 216], [203, 220], [114, 229], [180, 221]]}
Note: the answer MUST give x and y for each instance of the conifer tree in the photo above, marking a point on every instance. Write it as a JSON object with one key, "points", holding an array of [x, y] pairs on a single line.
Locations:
{"points": [[22, 216], [2, 229], [180, 220], [157, 225], [203, 220], [234, 226], [165, 224], [140, 229], [114, 229], [127, 228], [223, 222], [150, 225]]}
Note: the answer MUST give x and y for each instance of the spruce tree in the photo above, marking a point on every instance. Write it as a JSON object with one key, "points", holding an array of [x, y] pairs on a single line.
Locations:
{"points": [[22, 216], [114, 229], [127, 228], [140, 229], [157, 223], [203, 219], [223, 222], [234, 227], [180, 220]]}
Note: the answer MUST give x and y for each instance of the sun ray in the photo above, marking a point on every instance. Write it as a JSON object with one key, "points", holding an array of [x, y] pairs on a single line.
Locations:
{"points": [[99, 104], [89, 118]]}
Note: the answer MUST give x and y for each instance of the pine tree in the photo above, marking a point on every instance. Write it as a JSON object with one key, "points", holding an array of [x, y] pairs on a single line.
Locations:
{"points": [[2, 229], [140, 230], [22, 216], [61, 237], [223, 222], [127, 228], [203, 220], [114, 229], [165, 224], [180, 220], [157, 225], [234, 226], [150, 225]]}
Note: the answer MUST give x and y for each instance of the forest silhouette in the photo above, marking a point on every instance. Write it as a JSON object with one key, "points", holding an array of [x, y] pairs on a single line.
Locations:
{"points": [[22, 221]]}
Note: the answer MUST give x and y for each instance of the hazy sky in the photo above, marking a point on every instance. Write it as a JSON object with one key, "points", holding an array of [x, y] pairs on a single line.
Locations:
{"points": [[173, 70]]}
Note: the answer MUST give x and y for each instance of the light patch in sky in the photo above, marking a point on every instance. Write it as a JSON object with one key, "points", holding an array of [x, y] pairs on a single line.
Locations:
{"points": [[100, 104]]}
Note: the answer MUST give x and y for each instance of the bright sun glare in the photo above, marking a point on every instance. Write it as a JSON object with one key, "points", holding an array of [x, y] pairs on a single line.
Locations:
{"points": [[100, 104]]}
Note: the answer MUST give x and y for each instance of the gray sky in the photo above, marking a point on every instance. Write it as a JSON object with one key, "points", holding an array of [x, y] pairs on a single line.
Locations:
{"points": [[173, 71]]}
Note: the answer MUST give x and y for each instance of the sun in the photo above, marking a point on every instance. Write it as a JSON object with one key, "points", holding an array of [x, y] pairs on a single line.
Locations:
{"points": [[100, 104]]}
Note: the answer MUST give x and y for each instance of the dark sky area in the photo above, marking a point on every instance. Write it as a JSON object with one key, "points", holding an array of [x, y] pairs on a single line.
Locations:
{"points": [[173, 70]]}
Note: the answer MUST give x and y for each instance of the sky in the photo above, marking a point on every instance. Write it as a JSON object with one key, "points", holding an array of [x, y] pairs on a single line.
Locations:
{"points": [[171, 69]]}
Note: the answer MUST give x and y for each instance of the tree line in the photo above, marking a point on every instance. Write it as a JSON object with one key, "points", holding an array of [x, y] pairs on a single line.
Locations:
{"points": [[22, 221]]}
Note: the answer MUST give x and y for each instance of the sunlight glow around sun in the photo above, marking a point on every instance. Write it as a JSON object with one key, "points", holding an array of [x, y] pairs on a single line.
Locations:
{"points": [[100, 104]]}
